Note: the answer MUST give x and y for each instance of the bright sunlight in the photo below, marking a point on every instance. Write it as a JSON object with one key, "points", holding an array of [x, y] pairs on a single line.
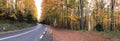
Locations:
{"points": [[38, 4]]}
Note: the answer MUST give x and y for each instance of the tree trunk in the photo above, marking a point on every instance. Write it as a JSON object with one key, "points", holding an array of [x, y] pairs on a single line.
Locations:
{"points": [[112, 14], [81, 14]]}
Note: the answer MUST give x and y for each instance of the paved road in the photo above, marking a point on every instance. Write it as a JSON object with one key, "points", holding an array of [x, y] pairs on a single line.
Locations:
{"points": [[30, 34]]}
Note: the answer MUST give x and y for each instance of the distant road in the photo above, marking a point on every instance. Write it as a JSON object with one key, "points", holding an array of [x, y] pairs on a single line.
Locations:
{"points": [[35, 33]]}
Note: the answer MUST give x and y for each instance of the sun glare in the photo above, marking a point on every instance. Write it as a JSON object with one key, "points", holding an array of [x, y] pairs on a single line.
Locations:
{"points": [[38, 4]]}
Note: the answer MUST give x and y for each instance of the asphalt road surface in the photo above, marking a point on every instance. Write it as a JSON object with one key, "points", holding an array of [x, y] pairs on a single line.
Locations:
{"points": [[36, 33]]}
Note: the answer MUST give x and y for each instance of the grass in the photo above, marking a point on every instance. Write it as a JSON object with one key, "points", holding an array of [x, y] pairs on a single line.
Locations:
{"points": [[112, 33], [106, 32], [7, 25]]}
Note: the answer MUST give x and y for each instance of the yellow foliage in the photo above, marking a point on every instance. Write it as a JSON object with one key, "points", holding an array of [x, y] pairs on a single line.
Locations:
{"points": [[73, 17]]}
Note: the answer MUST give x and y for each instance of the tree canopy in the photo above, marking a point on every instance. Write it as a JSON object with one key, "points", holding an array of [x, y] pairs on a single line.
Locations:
{"points": [[21, 10], [89, 14]]}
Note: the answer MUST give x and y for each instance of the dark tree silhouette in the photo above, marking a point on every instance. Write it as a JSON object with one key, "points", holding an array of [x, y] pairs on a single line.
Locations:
{"points": [[112, 14]]}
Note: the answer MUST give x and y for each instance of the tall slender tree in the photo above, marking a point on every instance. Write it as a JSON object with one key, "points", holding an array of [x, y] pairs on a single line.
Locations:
{"points": [[81, 14], [112, 14]]}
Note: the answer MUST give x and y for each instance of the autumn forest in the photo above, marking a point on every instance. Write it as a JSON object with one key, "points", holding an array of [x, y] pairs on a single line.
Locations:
{"points": [[87, 15]]}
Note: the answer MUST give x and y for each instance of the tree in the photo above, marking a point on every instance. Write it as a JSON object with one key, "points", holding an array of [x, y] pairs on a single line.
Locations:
{"points": [[112, 14], [17, 9], [81, 14]]}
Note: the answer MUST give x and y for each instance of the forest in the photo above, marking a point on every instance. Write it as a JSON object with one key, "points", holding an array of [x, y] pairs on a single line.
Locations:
{"points": [[16, 14], [18, 10], [88, 15]]}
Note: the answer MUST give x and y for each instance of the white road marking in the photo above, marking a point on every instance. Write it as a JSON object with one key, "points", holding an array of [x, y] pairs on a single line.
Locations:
{"points": [[43, 32], [25, 33], [17, 35], [46, 29], [41, 36]]}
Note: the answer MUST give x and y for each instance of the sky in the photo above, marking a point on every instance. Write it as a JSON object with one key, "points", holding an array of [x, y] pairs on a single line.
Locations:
{"points": [[38, 4]]}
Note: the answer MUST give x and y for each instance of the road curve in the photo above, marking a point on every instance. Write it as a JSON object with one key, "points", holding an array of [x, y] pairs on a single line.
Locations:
{"points": [[30, 34]]}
